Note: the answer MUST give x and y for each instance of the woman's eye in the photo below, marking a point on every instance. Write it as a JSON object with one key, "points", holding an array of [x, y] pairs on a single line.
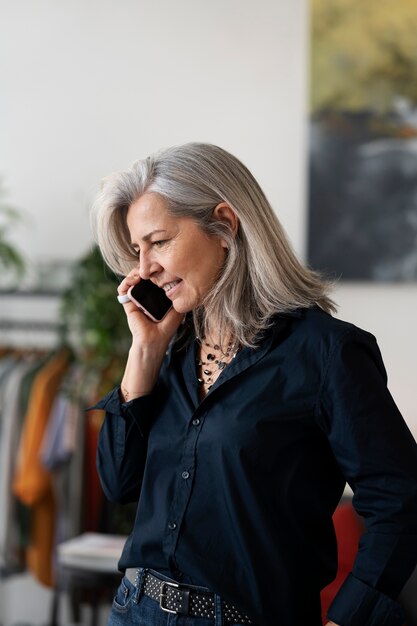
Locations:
{"points": [[159, 243]]}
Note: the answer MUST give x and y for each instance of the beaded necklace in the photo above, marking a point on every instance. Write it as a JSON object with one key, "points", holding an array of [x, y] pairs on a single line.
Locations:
{"points": [[212, 363]]}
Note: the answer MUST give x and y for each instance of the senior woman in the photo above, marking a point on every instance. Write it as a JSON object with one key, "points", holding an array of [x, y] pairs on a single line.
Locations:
{"points": [[242, 414]]}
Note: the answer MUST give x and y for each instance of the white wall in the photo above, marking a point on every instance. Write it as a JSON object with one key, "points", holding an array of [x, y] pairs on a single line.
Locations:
{"points": [[89, 86]]}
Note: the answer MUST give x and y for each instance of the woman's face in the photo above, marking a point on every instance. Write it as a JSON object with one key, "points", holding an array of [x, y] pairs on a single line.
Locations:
{"points": [[174, 252]]}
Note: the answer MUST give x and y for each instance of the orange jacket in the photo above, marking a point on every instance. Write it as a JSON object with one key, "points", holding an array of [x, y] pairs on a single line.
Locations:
{"points": [[32, 483]]}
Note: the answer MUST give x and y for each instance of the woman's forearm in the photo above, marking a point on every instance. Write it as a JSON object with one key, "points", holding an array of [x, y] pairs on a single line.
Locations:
{"points": [[141, 372]]}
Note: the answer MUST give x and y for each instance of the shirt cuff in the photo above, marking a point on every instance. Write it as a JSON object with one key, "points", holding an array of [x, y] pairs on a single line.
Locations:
{"points": [[110, 403], [139, 409], [357, 604]]}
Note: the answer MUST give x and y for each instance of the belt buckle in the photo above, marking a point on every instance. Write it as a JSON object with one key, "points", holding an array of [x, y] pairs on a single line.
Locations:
{"points": [[163, 594]]}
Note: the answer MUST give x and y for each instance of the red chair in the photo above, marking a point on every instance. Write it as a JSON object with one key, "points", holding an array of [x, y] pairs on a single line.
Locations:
{"points": [[349, 528]]}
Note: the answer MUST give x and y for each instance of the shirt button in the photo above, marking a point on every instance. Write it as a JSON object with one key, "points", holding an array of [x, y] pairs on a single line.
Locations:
{"points": [[196, 422], [172, 526], [185, 475]]}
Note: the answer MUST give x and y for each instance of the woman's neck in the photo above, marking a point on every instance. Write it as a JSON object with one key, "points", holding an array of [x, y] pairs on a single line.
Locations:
{"points": [[216, 337]]}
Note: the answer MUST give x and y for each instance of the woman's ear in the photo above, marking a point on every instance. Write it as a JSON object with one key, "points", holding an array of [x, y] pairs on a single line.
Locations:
{"points": [[224, 213]]}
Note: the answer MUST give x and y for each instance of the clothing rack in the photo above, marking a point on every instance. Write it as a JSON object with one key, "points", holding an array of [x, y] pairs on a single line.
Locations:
{"points": [[31, 324]]}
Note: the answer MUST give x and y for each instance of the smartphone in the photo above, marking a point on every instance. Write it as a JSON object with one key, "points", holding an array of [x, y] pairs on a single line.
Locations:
{"points": [[150, 299]]}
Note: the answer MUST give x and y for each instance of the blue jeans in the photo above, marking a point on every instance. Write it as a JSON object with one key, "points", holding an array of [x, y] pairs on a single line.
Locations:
{"points": [[132, 607]]}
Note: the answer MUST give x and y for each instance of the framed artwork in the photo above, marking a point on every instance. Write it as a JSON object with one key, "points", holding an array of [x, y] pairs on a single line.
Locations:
{"points": [[363, 139]]}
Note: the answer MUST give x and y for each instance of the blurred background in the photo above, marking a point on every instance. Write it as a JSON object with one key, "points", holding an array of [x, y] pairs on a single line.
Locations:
{"points": [[318, 98]]}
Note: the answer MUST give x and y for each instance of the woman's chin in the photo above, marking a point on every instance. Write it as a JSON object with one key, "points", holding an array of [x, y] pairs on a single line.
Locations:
{"points": [[179, 307], [182, 307]]}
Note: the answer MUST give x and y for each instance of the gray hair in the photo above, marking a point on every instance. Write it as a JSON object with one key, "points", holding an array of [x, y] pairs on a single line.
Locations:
{"points": [[261, 276]]}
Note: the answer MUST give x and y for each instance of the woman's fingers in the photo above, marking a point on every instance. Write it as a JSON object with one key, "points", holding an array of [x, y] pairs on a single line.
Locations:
{"points": [[131, 279]]}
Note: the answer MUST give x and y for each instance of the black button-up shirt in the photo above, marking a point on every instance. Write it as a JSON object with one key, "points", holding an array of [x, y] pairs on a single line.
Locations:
{"points": [[237, 491]]}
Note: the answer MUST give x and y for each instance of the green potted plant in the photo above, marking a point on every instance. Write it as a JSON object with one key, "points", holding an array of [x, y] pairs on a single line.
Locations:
{"points": [[91, 315]]}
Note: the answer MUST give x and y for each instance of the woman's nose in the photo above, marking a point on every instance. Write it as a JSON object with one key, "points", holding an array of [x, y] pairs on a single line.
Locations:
{"points": [[148, 267]]}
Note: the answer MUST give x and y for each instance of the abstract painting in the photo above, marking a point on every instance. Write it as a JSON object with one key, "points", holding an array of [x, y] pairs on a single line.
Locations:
{"points": [[363, 139]]}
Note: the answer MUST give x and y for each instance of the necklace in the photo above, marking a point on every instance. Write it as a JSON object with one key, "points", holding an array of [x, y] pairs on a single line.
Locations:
{"points": [[214, 361]]}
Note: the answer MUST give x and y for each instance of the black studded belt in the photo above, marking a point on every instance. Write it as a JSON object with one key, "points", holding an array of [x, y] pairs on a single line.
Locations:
{"points": [[177, 598]]}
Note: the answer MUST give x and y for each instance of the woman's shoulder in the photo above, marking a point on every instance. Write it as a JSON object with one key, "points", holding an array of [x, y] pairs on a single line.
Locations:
{"points": [[316, 339], [316, 326]]}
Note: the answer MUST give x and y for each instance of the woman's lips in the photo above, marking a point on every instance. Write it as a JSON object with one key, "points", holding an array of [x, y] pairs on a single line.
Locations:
{"points": [[172, 289]]}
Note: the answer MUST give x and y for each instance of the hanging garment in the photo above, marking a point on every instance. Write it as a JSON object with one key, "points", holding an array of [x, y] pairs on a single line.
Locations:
{"points": [[32, 482], [11, 421], [62, 455]]}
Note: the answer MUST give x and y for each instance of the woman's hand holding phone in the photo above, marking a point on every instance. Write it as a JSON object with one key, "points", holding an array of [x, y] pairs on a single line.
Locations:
{"points": [[149, 343]]}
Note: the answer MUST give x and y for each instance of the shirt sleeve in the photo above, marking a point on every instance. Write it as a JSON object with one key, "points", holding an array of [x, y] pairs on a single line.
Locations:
{"points": [[378, 457], [122, 445]]}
